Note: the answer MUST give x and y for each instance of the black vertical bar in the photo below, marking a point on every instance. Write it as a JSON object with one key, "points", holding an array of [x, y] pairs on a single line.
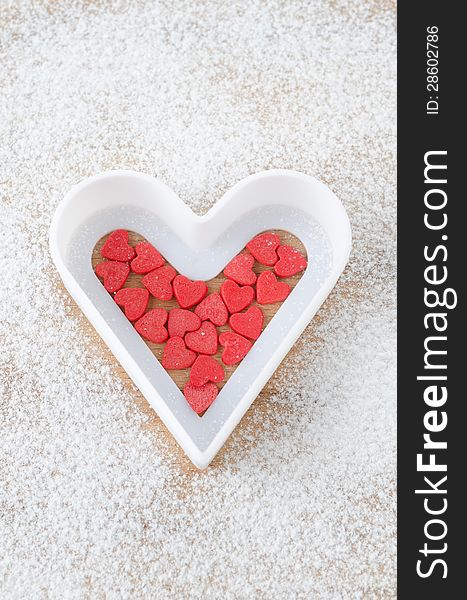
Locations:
{"points": [[437, 127]]}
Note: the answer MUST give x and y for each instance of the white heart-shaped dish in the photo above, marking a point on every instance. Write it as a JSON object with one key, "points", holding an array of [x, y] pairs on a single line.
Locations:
{"points": [[200, 247]]}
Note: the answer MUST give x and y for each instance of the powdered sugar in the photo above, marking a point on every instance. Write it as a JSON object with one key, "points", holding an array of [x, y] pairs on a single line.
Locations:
{"points": [[95, 497]]}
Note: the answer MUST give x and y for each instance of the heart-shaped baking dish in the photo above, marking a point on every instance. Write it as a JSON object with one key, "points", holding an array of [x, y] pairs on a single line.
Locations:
{"points": [[200, 247]]}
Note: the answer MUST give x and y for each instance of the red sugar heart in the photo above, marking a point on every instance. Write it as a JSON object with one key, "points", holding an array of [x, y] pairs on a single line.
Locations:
{"points": [[176, 355], [236, 298], [204, 369], [188, 292], [191, 337], [116, 247], [249, 324], [133, 300], [147, 258], [200, 398], [269, 290], [236, 347], [113, 273], [213, 309], [158, 282], [263, 247], [204, 340], [240, 269], [291, 262], [151, 325], [181, 321]]}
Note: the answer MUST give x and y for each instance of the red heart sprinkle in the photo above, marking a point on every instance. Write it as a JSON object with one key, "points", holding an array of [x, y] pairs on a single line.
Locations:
{"points": [[204, 340], [240, 269], [176, 355], [200, 398], [116, 247], [113, 273], [158, 282], [263, 247], [249, 324], [213, 309], [151, 325], [188, 292], [236, 298], [134, 301], [204, 369], [236, 347], [269, 290], [291, 262], [147, 258], [181, 321]]}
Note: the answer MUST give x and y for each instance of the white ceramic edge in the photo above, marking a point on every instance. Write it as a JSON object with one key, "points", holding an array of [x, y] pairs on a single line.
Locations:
{"points": [[200, 458]]}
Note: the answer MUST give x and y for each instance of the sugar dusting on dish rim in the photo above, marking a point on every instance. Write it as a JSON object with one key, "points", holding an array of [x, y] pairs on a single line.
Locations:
{"points": [[95, 499]]}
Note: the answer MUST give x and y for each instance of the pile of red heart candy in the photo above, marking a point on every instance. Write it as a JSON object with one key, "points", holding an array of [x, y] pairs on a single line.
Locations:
{"points": [[191, 336]]}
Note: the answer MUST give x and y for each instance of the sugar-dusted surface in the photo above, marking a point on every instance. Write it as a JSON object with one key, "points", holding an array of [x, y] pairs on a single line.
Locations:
{"points": [[96, 500]]}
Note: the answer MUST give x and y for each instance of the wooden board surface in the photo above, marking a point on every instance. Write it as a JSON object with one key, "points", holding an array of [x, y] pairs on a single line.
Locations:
{"points": [[181, 376]]}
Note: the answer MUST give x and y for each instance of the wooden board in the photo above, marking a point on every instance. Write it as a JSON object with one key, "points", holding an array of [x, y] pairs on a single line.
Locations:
{"points": [[181, 376]]}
